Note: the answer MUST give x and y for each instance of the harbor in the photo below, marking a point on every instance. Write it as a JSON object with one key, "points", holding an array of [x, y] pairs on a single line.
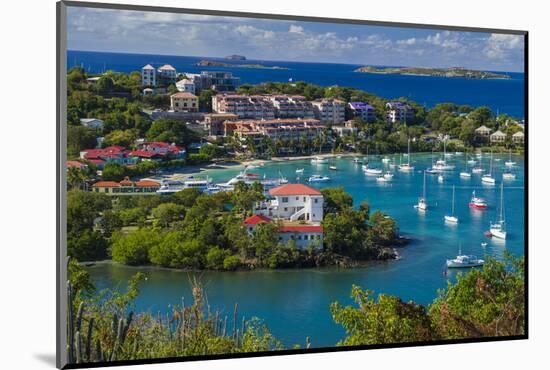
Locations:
{"points": [[416, 275]]}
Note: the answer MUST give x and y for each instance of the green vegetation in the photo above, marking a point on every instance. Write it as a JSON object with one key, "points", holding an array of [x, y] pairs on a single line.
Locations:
{"points": [[102, 326], [212, 63], [488, 302], [199, 231], [439, 72]]}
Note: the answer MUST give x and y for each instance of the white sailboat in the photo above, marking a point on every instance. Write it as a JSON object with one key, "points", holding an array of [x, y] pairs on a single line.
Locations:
{"points": [[452, 218], [464, 174], [406, 167], [441, 164], [498, 229], [422, 204], [508, 175], [488, 178], [510, 162]]}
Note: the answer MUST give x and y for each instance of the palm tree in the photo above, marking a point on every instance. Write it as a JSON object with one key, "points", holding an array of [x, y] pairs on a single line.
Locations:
{"points": [[75, 177]]}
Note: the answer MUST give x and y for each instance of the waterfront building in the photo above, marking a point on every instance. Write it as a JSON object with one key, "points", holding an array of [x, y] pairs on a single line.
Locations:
{"points": [[363, 110], [497, 137], [91, 123], [518, 137], [291, 106], [397, 111], [213, 122], [482, 133], [148, 76], [184, 102], [329, 111], [297, 209], [212, 80], [166, 75], [348, 129], [274, 129], [162, 76], [244, 106], [126, 187], [186, 85]]}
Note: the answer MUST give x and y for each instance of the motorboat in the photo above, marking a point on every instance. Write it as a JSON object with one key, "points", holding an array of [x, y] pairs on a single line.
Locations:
{"points": [[464, 261], [318, 178]]}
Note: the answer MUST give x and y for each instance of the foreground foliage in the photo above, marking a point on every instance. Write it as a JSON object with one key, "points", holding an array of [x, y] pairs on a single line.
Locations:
{"points": [[488, 302]]}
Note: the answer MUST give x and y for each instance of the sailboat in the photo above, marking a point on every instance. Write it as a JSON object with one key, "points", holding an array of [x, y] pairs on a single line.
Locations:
{"points": [[464, 174], [488, 178], [407, 166], [510, 162], [441, 164], [508, 175], [498, 229], [370, 170], [452, 218], [422, 204]]}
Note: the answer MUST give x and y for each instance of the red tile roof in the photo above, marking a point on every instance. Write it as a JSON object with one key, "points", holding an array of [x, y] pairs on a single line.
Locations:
{"points": [[294, 189], [76, 164], [147, 184], [301, 229], [106, 184], [256, 219], [144, 153], [184, 95]]}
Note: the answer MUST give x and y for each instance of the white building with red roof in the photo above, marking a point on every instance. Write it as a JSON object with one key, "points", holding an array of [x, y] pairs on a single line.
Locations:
{"points": [[293, 202]]}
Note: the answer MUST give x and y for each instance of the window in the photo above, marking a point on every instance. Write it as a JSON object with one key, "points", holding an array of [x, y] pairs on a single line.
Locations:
{"points": [[286, 209], [304, 199], [316, 200], [284, 200]]}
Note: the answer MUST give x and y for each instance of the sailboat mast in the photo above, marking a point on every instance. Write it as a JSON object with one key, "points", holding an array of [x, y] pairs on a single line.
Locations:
{"points": [[424, 187], [453, 206], [501, 201], [409, 152]]}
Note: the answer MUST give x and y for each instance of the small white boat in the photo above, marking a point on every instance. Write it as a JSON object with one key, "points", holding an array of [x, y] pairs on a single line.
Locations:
{"points": [[333, 168], [477, 170], [483, 244], [452, 218], [422, 204], [465, 175], [498, 229], [488, 179], [382, 179], [472, 161], [406, 167], [510, 162], [319, 160], [388, 175], [372, 171], [385, 160], [464, 261], [431, 171], [440, 179], [318, 178], [508, 176], [300, 170], [357, 160]]}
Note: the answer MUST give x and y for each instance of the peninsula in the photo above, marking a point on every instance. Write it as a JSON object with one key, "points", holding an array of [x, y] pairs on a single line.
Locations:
{"points": [[436, 72], [212, 63]]}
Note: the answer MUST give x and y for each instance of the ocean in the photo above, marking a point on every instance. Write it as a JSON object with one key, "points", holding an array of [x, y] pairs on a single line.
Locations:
{"points": [[502, 96]]}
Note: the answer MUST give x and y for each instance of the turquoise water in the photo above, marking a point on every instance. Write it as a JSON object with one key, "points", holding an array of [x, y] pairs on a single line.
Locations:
{"points": [[295, 303]]}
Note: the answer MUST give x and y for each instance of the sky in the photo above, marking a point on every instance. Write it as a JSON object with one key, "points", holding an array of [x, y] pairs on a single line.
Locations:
{"points": [[262, 39]]}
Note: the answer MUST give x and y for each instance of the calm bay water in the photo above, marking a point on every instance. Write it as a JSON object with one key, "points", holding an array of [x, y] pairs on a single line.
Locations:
{"points": [[505, 96], [295, 303]]}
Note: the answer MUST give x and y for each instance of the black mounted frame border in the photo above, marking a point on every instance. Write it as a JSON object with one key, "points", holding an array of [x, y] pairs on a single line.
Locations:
{"points": [[61, 194]]}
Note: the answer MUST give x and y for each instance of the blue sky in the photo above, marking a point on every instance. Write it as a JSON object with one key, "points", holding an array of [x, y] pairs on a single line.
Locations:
{"points": [[214, 36]]}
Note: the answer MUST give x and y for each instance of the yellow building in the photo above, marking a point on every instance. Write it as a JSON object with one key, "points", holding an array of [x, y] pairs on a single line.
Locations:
{"points": [[184, 102]]}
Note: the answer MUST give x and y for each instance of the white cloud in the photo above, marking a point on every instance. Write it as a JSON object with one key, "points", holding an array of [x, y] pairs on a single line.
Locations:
{"points": [[295, 29], [499, 45]]}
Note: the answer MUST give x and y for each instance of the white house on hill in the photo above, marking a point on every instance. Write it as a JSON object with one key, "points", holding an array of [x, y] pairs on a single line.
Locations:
{"points": [[293, 202]]}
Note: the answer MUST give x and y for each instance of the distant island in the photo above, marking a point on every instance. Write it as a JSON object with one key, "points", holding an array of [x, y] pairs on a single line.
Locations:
{"points": [[235, 57], [437, 72], [212, 63]]}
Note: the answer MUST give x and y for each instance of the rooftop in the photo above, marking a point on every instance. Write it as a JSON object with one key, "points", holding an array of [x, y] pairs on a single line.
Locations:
{"points": [[256, 219], [183, 94], [294, 189], [301, 229]]}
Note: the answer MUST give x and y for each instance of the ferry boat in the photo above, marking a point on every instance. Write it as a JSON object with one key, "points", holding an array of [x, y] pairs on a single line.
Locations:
{"points": [[173, 186], [251, 178], [476, 202], [318, 178]]}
